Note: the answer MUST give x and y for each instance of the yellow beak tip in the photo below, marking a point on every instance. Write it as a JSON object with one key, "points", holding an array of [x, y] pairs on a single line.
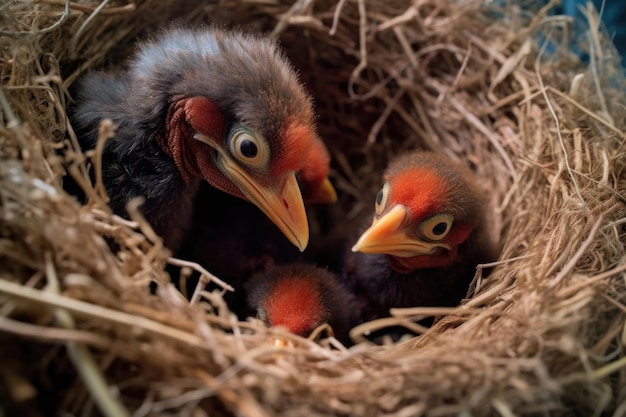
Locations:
{"points": [[358, 246], [300, 239], [330, 195]]}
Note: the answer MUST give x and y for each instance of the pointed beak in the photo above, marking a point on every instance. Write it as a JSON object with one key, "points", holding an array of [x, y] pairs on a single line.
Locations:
{"points": [[386, 235], [287, 211], [284, 206], [324, 194]]}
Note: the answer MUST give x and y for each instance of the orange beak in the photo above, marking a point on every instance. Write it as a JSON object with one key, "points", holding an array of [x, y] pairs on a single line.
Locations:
{"points": [[283, 206], [281, 202], [387, 235]]}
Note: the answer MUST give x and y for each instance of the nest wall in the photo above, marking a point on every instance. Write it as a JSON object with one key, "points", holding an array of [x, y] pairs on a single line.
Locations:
{"points": [[492, 86]]}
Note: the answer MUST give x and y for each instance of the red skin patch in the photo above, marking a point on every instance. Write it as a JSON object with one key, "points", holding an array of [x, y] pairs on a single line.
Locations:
{"points": [[315, 169], [204, 116], [185, 117], [419, 189], [297, 143], [295, 304]]}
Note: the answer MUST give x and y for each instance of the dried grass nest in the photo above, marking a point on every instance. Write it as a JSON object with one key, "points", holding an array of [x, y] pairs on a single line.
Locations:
{"points": [[543, 334]]}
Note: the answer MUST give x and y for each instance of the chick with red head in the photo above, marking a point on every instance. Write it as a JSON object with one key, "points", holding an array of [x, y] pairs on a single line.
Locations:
{"points": [[205, 105], [301, 297], [426, 239]]}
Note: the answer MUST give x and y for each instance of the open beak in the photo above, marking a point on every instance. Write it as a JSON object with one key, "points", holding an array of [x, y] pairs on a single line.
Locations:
{"points": [[325, 194], [386, 235]]}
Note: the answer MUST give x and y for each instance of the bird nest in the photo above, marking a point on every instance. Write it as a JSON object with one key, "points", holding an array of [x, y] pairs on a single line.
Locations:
{"points": [[491, 85]]}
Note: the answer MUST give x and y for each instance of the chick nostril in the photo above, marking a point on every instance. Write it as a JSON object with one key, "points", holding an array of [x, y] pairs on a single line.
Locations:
{"points": [[286, 204]]}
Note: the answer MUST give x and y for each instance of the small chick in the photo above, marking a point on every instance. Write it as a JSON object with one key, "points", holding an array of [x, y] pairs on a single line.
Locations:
{"points": [[301, 297], [428, 235]]}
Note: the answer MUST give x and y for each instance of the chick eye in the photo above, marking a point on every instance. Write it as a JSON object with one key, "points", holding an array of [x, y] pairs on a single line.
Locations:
{"points": [[381, 198], [437, 227], [248, 149]]}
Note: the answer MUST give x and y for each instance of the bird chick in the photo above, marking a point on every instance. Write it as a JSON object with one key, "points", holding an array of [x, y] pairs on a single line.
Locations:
{"points": [[301, 297], [206, 105], [427, 236]]}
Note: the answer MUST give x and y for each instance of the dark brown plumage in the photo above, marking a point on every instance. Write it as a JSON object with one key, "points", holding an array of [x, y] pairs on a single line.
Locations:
{"points": [[205, 105], [428, 234]]}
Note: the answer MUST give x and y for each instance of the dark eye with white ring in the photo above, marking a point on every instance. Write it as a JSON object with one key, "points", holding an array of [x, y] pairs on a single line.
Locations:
{"points": [[381, 198], [437, 227], [248, 149]]}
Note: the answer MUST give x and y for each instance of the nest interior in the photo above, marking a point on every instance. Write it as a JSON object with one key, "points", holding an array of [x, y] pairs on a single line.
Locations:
{"points": [[493, 86]]}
